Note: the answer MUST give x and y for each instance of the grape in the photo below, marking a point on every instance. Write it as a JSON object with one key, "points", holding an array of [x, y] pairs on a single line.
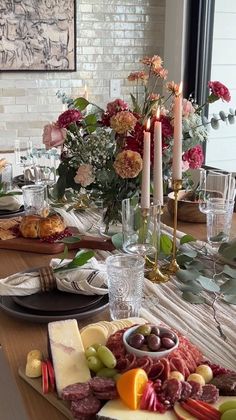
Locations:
{"points": [[154, 342], [227, 405], [136, 340], [229, 415], [167, 334], [144, 329], [155, 330], [167, 342], [206, 372], [106, 357], [107, 373], [95, 346], [94, 363], [90, 351]]}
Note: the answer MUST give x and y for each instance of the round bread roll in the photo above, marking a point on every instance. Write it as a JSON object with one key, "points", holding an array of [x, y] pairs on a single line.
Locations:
{"points": [[34, 226]]}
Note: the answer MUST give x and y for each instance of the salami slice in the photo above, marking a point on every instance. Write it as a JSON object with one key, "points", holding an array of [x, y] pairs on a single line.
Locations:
{"points": [[196, 390], [87, 406], [102, 384], [156, 370], [210, 393], [177, 363], [186, 391], [172, 389], [106, 395], [76, 391]]}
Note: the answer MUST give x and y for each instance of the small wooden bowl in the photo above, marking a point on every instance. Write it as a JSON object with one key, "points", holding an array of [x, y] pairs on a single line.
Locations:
{"points": [[188, 211]]}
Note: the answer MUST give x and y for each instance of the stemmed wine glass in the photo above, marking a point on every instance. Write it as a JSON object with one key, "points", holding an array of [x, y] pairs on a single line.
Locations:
{"points": [[216, 200]]}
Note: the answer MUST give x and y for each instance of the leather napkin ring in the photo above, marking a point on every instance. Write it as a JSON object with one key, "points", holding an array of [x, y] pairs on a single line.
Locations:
{"points": [[47, 279]]}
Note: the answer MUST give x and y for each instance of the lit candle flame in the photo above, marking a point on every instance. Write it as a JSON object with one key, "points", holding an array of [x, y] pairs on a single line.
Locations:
{"points": [[158, 113], [148, 124]]}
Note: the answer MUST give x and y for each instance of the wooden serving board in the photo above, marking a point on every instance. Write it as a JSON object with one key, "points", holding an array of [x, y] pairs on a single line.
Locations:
{"points": [[35, 245], [51, 397]]}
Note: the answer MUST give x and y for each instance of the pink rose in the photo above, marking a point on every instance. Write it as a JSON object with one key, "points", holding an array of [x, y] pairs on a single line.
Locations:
{"points": [[219, 90], [187, 108], [68, 117], [53, 136], [84, 175], [194, 157]]}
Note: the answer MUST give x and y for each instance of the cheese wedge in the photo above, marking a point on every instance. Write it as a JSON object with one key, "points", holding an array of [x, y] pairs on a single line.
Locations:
{"points": [[116, 410], [94, 334], [68, 356]]}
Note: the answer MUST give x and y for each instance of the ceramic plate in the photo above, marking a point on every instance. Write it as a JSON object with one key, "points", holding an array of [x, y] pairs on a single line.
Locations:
{"points": [[8, 305], [6, 214]]}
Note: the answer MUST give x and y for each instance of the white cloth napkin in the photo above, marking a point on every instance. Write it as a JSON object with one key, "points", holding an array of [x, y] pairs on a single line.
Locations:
{"points": [[90, 279], [11, 202]]}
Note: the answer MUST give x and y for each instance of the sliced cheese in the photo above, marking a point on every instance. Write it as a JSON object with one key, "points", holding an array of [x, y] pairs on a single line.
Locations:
{"points": [[68, 356], [116, 410], [94, 334]]}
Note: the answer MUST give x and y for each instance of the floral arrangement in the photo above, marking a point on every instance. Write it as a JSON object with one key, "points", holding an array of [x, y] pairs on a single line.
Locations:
{"points": [[102, 149]]}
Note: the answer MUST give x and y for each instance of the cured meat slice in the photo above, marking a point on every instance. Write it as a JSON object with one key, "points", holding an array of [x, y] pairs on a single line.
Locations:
{"points": [[226, 383], [76, 391], [156, 370], [144, 363], [177, 363], [131, 361], [186, 391], [172, 389], [210, 393], [87, 406], [196, 390], [102, 384], [107, 395], [166, 369]]}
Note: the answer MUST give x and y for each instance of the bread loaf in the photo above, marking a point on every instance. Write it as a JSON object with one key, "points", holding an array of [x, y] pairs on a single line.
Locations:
{"points": [[34, 226]]}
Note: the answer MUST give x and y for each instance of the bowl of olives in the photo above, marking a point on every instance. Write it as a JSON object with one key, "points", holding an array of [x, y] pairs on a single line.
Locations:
{"points": [[150, 340]]}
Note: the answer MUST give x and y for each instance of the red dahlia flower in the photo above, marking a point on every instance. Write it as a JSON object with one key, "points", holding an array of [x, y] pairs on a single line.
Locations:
{"points": [[194, 157], [219, 90], [68, 117]]}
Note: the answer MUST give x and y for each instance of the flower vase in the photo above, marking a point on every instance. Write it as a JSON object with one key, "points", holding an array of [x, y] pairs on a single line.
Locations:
{"points": [[111, 221]]}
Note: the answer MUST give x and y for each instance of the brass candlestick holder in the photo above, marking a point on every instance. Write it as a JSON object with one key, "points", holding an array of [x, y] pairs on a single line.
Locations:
{"points": [[154, 274], [173, 266]]}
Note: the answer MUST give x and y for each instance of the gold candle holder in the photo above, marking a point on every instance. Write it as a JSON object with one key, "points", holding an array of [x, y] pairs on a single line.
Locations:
{"points": [[173, 266]]}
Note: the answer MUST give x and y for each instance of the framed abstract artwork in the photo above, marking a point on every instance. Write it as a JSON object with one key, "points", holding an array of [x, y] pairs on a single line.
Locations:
{"points": [[38, 35]]}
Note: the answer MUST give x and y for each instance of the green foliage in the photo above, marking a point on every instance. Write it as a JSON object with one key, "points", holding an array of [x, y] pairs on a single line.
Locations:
{"points": [[165, 244], [81, 103], [117, 240], [187, 238], [79, 260]]}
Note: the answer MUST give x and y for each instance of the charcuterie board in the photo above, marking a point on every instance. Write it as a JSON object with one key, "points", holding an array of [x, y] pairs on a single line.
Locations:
{"points": [[36, 383], [36, 245]]}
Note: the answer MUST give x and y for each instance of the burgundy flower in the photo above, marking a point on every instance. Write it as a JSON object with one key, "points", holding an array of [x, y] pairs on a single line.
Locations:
{"points": [[219, 90], [68, 117], [167, 128], [116, 106], [194, 157]]}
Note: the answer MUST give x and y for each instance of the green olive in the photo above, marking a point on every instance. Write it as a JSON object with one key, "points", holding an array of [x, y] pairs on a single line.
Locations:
{"points": [[144, 329]]}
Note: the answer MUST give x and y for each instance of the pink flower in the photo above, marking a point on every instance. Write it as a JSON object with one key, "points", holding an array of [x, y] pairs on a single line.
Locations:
{"points": [[187, 108], [123, 122], [116, 106], [219, 90], [84, 175], [68, 117], [161, 72], [172, 87], [194, 157], [137, 75], [53, 136], [185, 165]]}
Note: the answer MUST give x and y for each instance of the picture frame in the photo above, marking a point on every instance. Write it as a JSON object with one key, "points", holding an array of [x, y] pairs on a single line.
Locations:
{"points": [[38, 35]]}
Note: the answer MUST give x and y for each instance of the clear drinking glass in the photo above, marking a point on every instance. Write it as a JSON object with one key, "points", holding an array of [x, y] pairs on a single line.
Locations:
{"points": [[219, 219], [214, 184], [34, 199], [6, 177], [141, 228], [45, 164], [125, 285]]}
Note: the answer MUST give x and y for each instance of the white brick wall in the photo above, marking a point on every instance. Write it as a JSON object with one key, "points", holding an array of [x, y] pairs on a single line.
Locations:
{"points": [[112, 35]]}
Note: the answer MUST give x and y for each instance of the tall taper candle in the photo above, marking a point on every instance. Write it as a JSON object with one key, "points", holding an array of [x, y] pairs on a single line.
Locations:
{"points": [[157, 169], [177, 147], [145, 187]]}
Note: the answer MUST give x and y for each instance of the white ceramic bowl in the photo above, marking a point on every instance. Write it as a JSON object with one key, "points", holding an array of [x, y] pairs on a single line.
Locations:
{"points": [[153, 354]]}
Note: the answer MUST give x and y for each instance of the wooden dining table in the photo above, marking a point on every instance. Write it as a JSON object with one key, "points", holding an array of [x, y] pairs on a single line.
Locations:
{"points": [[18, 337]]}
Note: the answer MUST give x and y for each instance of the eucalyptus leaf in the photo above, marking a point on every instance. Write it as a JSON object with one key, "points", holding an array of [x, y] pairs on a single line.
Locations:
{"points": [[117, 240], [229, 287], [208, 284], [215, 124], [197, 265], [228, 251], [231, 272], [192, 286], [231, 119], [187, 238], [187, 275], [192, 298], [187, 252], [183, 260], [223, 115], [232, 111], [165, 244], [231, 299], [71, 240]]}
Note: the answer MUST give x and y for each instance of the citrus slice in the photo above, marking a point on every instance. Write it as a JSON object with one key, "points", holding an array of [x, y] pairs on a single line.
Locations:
{"points": [[130, 386]]}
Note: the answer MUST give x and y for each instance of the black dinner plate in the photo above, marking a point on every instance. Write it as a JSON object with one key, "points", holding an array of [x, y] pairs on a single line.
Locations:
{"points": [[8, 305], [57, 302], [9, 213]]}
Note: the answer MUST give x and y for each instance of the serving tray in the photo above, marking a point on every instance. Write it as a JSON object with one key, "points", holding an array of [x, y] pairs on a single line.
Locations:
{"points": [[36, 245]]}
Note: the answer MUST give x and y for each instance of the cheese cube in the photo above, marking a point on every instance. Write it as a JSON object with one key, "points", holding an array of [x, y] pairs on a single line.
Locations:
{"points": [[116, 410], [68, 356]]}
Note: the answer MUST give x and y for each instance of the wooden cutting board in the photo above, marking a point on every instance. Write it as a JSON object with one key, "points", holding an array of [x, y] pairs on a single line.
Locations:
{"points": [[51, 397], [35, 245]]}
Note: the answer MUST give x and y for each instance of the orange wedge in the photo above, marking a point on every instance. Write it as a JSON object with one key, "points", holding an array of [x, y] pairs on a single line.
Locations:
{"points": [[130, 386]]}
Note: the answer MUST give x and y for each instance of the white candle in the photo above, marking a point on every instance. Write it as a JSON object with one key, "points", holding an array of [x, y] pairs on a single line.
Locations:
{"points": [[86, 93], [145, 188], [177, 147], [157, 168]]}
